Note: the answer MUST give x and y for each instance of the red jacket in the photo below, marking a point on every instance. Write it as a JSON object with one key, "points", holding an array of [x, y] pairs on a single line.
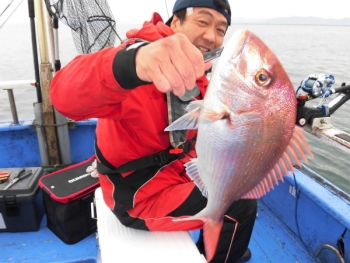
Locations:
{"points": [[131, 122]]}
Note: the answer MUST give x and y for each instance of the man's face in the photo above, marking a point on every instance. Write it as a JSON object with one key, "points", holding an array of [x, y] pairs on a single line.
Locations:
{"points": [[205, 28]]}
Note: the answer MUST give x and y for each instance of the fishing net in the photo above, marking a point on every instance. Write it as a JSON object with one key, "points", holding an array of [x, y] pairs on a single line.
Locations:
{"points": [[91, 21]]}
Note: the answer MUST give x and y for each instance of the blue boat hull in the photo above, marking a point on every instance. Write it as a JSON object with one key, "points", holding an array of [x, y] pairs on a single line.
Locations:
{"points": [[300, 220], [19, 145]]}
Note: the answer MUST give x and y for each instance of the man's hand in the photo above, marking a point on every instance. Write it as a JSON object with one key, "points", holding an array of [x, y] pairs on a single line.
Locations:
{"points": [[172, 64]]}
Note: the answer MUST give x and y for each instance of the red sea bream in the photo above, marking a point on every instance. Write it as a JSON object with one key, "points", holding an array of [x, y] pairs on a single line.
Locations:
{"points": [[247, 139]]}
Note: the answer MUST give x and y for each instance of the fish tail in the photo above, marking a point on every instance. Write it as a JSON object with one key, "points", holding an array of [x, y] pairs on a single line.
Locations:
{"points": [[211, 233]]}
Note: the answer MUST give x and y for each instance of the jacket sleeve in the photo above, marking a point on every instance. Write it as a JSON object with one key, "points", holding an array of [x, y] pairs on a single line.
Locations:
{"points": [[94, 85]]}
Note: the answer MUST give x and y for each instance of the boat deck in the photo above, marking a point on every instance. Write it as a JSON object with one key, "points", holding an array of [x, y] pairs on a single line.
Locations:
{"points": [[44, 247], [271, 242]]}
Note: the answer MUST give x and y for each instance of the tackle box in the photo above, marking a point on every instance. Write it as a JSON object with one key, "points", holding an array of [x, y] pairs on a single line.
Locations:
{"points": [[21, 205], [68, 194]]}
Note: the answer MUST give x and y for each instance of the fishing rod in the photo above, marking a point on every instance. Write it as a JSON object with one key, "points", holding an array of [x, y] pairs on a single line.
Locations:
{"points": [[166, 7], [34, 49]]}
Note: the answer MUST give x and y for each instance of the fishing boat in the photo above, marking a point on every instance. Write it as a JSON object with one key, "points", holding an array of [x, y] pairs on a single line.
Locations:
{"points": [[304, 219]]}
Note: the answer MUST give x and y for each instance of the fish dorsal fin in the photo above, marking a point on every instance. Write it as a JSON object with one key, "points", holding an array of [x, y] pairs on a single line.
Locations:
{"points": [[192, 172], [295, 153], [189, 121]]}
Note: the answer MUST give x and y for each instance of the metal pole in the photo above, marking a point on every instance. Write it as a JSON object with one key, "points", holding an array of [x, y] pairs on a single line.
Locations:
{"points": [[41, 30], [57, 53], [61, 121], [38, 112], [63, 138], [45, 77], [13, 106], [50, 36], [41, 134]]}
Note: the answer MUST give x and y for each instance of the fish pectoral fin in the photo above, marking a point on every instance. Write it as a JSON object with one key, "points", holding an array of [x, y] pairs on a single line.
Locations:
{"points": [[189, 121], [192, 172], [224, 113], [296, 152], [194, 105]]}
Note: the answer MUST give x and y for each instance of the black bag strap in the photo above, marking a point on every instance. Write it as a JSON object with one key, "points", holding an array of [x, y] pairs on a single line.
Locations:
{"points": [[159, 160]]}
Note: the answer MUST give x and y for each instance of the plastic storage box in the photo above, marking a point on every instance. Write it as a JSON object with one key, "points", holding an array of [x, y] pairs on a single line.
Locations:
{"points": [[21, 205]]}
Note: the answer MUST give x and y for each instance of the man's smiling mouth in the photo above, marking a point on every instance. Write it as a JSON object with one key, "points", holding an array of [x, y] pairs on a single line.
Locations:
{"points": [[203, 49]]}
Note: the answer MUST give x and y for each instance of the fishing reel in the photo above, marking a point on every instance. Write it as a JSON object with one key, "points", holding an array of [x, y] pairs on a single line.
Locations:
{"points": [[318, 85], [315, 86]]}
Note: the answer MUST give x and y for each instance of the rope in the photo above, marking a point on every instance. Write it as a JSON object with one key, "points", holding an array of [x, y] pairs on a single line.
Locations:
{"points": [[3, 12]]}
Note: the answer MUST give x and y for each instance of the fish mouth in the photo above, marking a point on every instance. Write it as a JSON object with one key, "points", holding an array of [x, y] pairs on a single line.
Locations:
{"points": [[240, 38]]}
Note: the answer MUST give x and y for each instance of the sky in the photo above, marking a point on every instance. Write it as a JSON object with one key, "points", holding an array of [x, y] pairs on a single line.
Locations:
{"points": [[247, 9], [137, 11]]}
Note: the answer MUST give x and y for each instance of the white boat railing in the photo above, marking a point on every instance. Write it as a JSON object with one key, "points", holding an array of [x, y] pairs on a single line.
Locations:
{"points": [[10, 86], [323, 129]]}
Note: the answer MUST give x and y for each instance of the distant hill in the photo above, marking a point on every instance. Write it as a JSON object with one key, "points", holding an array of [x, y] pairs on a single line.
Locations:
{"points": [[294, 20]]}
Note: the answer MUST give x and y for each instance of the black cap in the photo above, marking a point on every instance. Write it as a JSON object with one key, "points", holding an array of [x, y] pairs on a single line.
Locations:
{"points": [[182, 4]]}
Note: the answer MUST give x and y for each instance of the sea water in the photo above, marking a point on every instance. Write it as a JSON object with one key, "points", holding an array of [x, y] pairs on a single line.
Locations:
{"points": [[302, 49]]}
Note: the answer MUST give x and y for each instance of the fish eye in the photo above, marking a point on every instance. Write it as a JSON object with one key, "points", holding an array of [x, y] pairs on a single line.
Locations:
{"points": [[263, 77]]}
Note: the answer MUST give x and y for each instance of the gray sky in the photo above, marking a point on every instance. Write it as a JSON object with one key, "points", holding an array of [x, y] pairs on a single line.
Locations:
{"points": [[137, 11], [242, 9]]}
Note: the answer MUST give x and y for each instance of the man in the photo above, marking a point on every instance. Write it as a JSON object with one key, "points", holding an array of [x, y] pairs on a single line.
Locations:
{"points": [[136, 90]]}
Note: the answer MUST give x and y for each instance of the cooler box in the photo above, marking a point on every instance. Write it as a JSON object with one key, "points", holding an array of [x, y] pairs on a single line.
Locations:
{"points": [[68, 194], [21, 205]]}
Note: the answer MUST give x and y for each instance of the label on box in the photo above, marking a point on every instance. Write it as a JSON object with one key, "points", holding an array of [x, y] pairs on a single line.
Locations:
{"points": [[2, 222]]}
